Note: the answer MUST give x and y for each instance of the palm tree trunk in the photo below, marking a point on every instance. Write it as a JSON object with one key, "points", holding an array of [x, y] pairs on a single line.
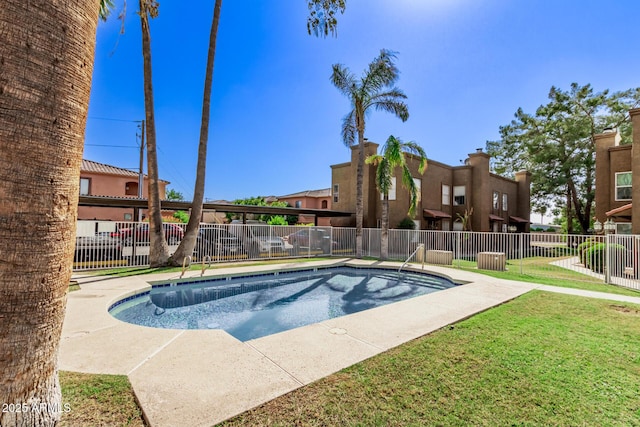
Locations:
{"points": [[158, 248], [384, 235], [46, 58], [359, 181], [188, 243]]}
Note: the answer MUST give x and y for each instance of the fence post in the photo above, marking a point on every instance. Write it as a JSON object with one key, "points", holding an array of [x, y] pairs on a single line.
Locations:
{"points": [[458, 247], [607, 257], [521, 247]]}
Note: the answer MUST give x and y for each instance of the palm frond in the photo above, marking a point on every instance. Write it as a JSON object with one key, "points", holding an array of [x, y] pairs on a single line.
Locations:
{"points": [[398, 108], [344, 80], [349, 129], [105, 9], [384, 175], [414, 148], [410, 185], [382, 72]]}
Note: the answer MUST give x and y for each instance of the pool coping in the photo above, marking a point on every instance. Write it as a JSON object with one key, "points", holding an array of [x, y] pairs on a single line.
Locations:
{"points": [[202, 377]]}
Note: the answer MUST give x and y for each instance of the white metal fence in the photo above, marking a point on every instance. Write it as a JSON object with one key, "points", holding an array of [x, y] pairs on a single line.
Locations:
{"points": [[609, 259]]}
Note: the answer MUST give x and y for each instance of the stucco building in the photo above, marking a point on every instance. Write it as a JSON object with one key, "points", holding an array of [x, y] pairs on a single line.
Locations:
{"points": [[99, 179], [447, 193], [618, 178], [310, 199]]}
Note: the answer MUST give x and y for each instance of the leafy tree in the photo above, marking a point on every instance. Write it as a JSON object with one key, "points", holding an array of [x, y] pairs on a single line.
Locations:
{"points": [[260, 201], [174, 195], [392, 158], [374, 90], [557, 145], [181, 216], [322, 16]]}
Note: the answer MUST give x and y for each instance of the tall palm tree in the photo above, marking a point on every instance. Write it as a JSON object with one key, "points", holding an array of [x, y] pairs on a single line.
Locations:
{"points": [[321, 21], [393, 157], [158, 247], [374, 90], [189, 241], [47, 64]]}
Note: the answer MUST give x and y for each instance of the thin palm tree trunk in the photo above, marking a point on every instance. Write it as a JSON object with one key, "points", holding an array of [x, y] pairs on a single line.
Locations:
{"points": [[188, 243], [384, 235], [359, 185], [158, 248], [46, 65]]}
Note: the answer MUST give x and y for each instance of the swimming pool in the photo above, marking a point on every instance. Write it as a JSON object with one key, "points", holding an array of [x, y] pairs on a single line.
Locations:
{"points": [[257, 305]]}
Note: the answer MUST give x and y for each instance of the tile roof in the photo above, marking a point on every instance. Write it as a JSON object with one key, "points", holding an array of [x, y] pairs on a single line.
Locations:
{"points": [[91, 166], [325, 192], [95, 167]]}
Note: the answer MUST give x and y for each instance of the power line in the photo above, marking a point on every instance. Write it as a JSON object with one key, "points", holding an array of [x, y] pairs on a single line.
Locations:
{"points": [[107, 145], [114, 120]]}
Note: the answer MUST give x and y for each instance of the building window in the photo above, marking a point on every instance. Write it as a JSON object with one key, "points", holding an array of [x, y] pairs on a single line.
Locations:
{"points": [[298, 204], [85, 184], [392, 190], [418, 183], [336, 187], [504, 202], [496, 200], [446, 194], [623, 228], [325, 204], [131, 188], [446, 225], [623, 186], [458, 195]]}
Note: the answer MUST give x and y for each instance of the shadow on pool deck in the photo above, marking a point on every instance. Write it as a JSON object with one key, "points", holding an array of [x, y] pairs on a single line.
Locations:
{"points": [[202, 377]]}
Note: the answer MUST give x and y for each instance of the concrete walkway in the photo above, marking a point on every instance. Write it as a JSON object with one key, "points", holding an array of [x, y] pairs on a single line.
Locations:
{"points": [[202, 377]]}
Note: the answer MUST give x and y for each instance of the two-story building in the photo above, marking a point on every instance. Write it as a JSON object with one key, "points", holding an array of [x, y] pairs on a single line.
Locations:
{"points": [[310, 199], [99, 179], [617, 195], [449, 197]]}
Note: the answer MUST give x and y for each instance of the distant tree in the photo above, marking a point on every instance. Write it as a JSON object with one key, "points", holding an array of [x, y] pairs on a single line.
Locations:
{"points": [[557, 145], [374, 90], [174, 195], [181, 216], [260, 201], [465, 219], [322, 19], [392, 158]]}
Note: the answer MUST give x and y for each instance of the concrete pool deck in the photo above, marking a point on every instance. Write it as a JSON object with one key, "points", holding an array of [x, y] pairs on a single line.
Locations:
{"points": [[202, 377]]}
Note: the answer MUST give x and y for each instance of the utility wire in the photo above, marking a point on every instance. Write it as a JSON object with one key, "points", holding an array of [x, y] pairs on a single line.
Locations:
{"points": [[115, 146], [114, 120]]}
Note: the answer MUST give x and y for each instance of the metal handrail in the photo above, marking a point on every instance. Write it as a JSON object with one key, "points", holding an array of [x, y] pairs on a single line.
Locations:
{"points": [[421, 245], [204, 260], [185, 264]]}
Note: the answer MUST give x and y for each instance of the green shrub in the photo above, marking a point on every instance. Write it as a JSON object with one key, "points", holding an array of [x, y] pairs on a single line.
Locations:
{"points": [[407, 224], [277, 220], [582, 248], [595, 257], [181, 216]]}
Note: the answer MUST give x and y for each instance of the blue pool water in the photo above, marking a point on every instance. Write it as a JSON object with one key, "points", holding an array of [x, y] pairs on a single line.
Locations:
{"points": [[253, 306]]}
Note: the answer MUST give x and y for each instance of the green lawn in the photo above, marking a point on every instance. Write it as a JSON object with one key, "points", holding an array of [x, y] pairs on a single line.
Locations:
{"points": [[542, 359], [538, 270], [98, 400]]}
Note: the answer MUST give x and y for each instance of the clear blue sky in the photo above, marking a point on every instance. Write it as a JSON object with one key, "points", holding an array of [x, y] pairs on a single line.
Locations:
{"points": [[466, 66]]}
